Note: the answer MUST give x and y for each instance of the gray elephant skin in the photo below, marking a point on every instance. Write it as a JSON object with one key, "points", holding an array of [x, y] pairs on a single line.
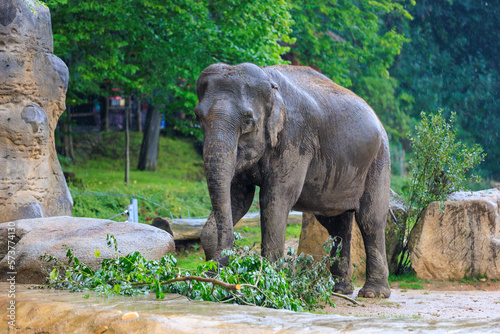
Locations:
{"points": [[310, 145]]}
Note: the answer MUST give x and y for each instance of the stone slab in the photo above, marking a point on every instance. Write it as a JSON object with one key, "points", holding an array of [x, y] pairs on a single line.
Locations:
{"points": [[459, 238], [190, 229]]}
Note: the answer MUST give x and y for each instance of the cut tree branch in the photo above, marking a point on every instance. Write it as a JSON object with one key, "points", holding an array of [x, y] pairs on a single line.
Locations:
{"points": [[227, 286]]}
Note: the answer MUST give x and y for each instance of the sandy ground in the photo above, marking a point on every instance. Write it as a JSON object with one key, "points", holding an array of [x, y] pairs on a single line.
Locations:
{"points": [[438, 300]]}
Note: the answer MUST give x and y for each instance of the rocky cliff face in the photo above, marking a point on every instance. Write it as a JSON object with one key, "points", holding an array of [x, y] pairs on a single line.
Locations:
{"points": [[33, 84]]}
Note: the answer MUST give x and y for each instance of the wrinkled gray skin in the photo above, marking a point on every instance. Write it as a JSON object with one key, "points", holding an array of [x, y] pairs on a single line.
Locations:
{"points": [[310, 145]]}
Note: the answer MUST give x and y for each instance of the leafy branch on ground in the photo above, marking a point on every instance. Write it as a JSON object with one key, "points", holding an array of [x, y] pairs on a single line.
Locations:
{"points": [[440, 166], [295, 283]]}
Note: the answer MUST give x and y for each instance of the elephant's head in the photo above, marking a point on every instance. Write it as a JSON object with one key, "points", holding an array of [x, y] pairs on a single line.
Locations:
{"points": [[241, 113]]}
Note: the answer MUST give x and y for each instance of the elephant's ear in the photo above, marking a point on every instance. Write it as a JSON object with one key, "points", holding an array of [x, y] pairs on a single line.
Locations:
{"points": [[276, 119]]}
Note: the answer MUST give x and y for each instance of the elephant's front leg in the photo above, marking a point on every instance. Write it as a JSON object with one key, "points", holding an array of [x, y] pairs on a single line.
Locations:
{"points": [[241, 200], [274, 209]]}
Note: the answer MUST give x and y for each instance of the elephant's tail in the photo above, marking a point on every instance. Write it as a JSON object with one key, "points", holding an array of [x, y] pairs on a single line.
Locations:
{"points": [[395, 219]]}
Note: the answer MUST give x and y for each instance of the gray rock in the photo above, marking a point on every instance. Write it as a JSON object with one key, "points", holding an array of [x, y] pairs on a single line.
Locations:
{"points": [[33, 84], [163, 224], [36, 237]]}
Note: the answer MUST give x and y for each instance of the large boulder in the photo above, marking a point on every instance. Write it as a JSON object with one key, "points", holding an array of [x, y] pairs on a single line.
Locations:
{"points": [[459, 238], [314, 235], [36, 237], [33, 84]]}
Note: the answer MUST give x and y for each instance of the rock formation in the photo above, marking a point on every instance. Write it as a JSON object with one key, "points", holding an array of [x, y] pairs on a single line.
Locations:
{"points": [[36, 237], [314, 235], [33, 84], [458, 239]]}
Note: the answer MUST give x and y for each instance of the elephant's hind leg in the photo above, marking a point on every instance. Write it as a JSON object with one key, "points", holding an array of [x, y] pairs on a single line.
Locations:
{"points": [[340, 227], [371, 218]]}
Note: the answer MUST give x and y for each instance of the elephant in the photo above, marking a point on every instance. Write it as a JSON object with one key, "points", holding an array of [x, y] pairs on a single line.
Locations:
{"points": [[309, 145]]}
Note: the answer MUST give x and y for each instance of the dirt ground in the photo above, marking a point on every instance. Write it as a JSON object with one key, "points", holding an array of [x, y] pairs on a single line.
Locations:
{"points": [[438, 300]]}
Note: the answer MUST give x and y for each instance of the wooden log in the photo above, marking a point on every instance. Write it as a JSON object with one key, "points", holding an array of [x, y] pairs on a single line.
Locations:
{"points": [[190, 229]]}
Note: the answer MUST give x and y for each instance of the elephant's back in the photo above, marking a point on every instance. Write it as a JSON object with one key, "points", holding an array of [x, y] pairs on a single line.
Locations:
{"points": [[310, 80], [329, 103], [332, 99], [345, 126]]}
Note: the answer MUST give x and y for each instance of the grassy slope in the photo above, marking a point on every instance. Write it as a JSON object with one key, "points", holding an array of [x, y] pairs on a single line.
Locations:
{"points": [[99, 190]]}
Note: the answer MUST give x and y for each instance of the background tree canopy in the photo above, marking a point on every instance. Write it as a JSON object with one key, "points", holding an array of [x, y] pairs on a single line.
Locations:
{"points": [[402, 56], [452, 63], [158, 48]]}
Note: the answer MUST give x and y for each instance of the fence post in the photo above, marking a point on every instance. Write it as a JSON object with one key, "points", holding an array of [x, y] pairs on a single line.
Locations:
{"points": [[133, 211]]}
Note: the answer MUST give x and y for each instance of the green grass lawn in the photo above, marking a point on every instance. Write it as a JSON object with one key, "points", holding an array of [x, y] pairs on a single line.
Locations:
{"points": [[177, 188], [406, 281]]}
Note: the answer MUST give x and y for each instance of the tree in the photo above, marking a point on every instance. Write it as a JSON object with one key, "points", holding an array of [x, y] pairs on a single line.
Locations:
{"points": [[156, 49]]}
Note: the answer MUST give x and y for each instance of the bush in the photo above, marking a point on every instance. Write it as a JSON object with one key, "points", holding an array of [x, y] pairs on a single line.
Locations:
{"points": [[439, 166]]}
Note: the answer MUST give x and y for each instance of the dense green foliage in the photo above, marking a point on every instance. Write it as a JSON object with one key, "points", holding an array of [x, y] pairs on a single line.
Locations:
{"points": [[354, 43], [440, 165], [295, 283], [346, 39], [157, 49], [452, 63]]}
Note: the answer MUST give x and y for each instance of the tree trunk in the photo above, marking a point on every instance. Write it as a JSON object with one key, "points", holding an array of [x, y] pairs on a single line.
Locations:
{"points": [[150, 141], [127, 141], [139, 116]]}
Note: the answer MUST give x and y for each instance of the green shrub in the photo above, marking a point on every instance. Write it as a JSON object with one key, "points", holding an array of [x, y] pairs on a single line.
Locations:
{"points": [[439, 166]]}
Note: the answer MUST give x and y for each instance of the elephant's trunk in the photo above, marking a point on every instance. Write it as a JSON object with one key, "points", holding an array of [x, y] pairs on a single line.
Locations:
{"points": [[219, 155]]}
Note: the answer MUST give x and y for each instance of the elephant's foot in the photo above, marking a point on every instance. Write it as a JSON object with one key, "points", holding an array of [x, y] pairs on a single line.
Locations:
{"points": [[344, 288], [373, 290]]}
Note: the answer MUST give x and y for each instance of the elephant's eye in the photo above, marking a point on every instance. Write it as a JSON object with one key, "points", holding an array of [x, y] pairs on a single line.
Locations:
{"points": [[248, 124]]}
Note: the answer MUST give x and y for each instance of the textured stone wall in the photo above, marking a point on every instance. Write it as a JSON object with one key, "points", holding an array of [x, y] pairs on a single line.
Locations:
{"points": [[33, 84]]}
